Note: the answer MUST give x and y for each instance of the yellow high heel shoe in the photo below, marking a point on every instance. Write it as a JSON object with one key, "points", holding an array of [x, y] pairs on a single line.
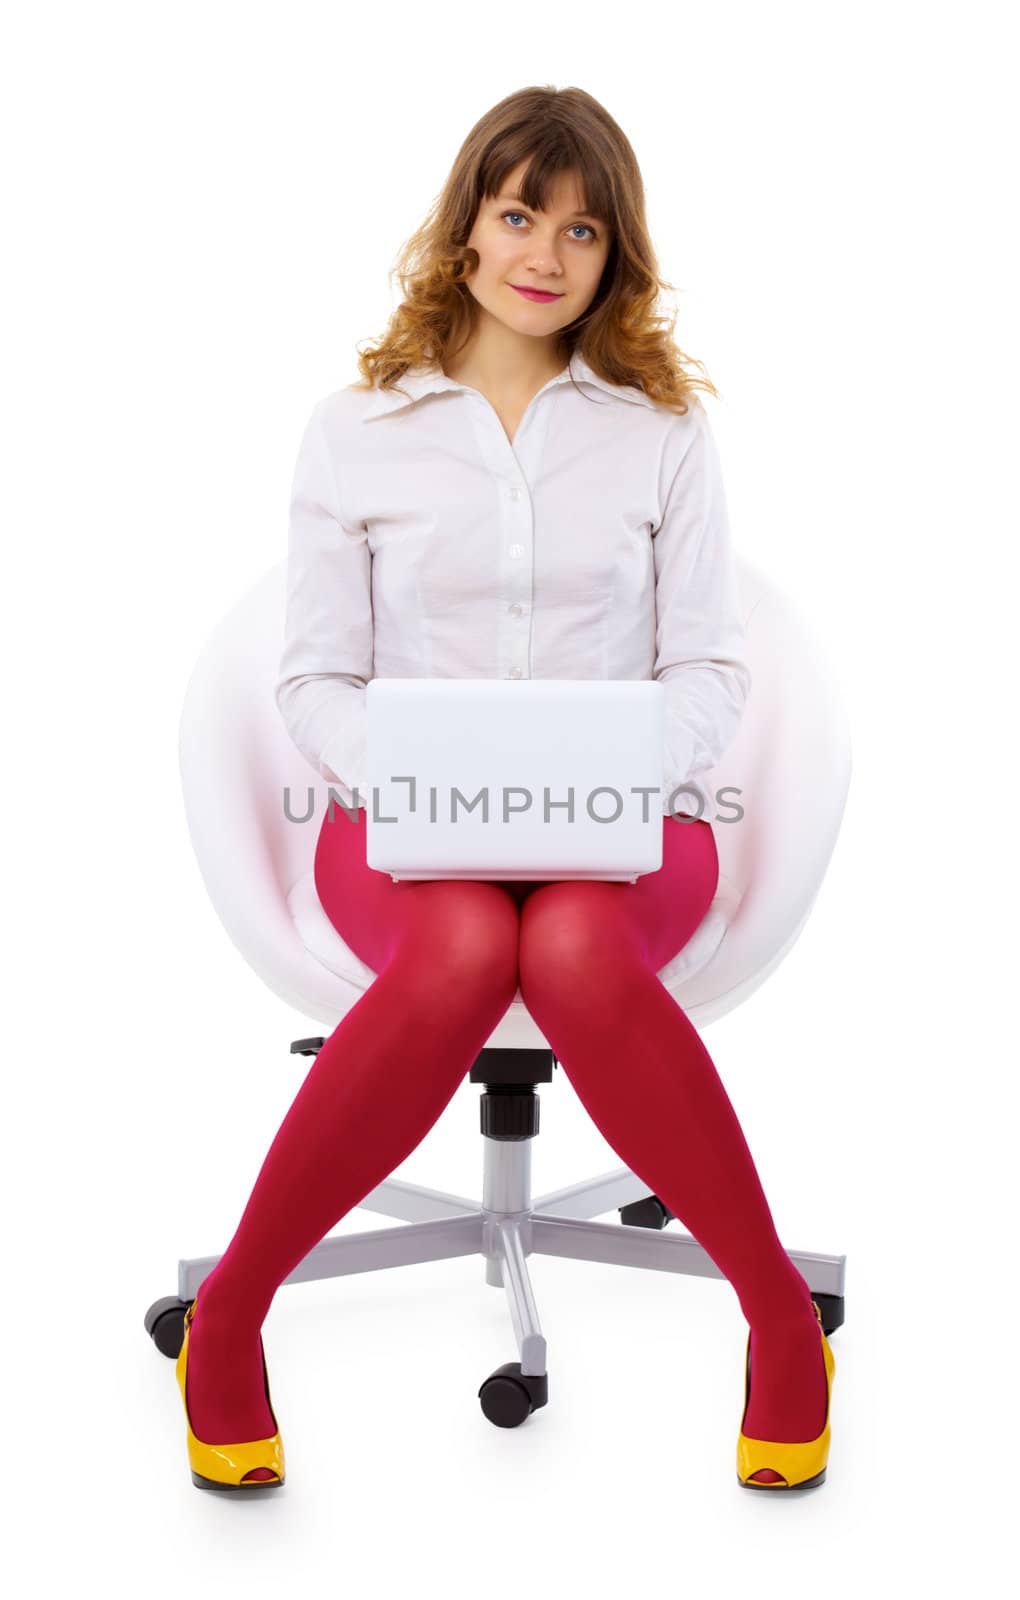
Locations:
{"points": [[799, 1465], [223, 1466]]}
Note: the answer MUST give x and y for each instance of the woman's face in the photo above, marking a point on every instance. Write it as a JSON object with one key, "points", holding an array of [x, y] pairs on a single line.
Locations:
{"points": [[560, 249]]}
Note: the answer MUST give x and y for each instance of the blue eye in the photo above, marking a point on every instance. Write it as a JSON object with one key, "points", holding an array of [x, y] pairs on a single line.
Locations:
{"points": [[591, 230]]}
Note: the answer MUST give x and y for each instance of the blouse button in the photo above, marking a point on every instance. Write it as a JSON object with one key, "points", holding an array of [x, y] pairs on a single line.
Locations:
{"points": [[515, 611], [516, 550], [515, 493], [515, 673]]}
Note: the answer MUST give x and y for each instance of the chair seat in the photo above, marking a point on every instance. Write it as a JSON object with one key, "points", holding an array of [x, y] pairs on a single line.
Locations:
{"points": [[322, 941], [789, 764]]}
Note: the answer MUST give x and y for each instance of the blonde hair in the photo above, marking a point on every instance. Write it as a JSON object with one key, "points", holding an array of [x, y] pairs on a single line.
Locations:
{"points": [[621, 335]]}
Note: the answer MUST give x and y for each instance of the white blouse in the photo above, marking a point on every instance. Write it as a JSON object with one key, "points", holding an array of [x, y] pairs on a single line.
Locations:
{"points": [[424, 544]]}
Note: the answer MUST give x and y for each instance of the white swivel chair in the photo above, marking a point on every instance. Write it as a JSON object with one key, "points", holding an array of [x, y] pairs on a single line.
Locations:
{"points": [[790, 763]]}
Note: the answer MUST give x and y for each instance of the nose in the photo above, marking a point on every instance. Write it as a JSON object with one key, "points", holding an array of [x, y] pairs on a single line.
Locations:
{"points": [[544, 258]]}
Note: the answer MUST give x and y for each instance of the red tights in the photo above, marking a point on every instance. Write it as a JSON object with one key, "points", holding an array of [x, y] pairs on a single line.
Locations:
{"points": [[449, 956]]}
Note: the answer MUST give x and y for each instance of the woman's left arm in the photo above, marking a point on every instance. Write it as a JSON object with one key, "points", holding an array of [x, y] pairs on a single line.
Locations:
{"points": [[699, 633]]}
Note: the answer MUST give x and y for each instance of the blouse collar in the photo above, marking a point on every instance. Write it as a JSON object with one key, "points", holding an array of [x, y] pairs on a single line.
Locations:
{"points": [[419, 381]]}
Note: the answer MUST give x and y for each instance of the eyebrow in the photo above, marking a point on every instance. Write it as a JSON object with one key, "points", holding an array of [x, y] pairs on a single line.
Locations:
{"points": [[500, 198]]}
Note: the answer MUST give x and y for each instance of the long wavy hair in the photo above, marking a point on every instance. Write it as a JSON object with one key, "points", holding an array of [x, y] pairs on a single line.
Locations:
{"points": [[623, 335]]}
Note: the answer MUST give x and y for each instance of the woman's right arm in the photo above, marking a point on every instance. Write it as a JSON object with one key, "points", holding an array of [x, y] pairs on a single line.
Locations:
{"points": [[327, 657]]}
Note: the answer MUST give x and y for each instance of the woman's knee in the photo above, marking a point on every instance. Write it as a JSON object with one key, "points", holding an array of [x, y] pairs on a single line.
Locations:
{"points": [[572, 934], [465, 931]]}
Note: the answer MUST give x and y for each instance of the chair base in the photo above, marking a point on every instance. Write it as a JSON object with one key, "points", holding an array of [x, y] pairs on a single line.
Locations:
{"points": [[507, 1227]]}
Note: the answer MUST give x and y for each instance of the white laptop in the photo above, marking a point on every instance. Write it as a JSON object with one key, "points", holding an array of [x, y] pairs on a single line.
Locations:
{"points": [[533, 779]]}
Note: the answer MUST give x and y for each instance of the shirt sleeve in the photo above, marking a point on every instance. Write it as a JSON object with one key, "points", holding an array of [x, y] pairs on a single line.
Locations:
{"points": [[699, 635], [327, 657]]}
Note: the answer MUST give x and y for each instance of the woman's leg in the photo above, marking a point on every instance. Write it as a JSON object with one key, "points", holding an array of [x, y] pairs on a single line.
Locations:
{"points": [[589, 955], [446, 957]]}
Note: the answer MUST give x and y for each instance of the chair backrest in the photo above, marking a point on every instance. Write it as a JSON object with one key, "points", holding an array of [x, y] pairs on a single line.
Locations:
{"points": [[790, 765]]}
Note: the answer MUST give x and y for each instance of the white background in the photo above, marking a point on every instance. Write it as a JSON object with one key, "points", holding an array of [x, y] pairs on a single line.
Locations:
{"points": [[204, 204]]}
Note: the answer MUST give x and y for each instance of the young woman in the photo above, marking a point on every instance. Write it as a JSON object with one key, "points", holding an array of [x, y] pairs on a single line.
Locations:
{"points": [[520, 486]]}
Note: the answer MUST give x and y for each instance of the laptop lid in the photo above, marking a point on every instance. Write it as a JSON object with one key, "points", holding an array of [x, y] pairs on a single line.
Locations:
{"points": [[537, 779]]}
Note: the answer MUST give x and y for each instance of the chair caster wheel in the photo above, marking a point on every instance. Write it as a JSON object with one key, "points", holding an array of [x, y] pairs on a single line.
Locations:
{"points": [[833, 1309], [509, 1396], [164, 1323], [647, 1213]]}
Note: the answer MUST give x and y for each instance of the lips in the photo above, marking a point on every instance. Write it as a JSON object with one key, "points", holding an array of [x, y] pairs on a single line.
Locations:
{"points": [[536, 294]]}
